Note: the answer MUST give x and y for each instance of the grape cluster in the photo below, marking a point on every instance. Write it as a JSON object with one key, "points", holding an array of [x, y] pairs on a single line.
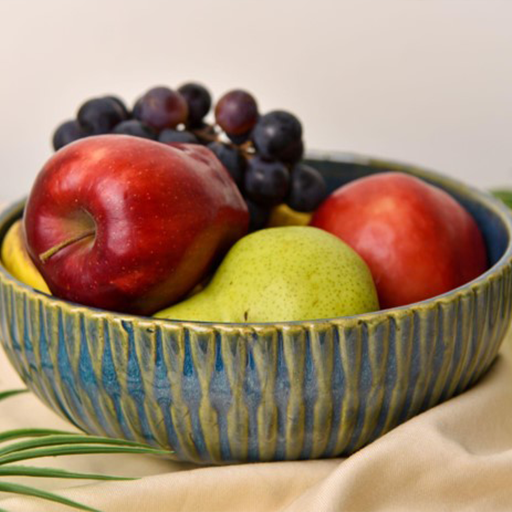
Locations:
{"points": [[262, 153]]}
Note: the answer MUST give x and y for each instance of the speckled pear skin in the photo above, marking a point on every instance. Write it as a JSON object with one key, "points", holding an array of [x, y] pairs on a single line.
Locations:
{"points": [[280, 275], [216, 393]]}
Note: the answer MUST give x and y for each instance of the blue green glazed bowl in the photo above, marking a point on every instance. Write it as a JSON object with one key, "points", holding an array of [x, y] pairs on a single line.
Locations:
{"points": [[219, 393]]}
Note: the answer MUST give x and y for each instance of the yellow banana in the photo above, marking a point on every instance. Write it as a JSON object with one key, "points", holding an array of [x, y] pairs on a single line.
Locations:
{"points": [[16, 260], [283, 215]]}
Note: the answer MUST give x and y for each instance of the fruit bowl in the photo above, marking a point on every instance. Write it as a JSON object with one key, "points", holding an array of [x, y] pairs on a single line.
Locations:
{"points": [[221, 393]]}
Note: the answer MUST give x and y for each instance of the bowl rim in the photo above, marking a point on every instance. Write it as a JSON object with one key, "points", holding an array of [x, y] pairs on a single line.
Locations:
{"points": [[13, 212]]}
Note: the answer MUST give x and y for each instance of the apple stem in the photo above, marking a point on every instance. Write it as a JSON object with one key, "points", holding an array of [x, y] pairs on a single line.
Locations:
{"points": [[45, 256]]}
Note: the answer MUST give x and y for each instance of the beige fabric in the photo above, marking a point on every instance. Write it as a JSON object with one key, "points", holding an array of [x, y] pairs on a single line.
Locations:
{"points": [[455, 457]]}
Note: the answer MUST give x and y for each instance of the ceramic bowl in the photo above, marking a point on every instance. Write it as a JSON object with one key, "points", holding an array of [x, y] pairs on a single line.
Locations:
{"points": [[219, 393]]}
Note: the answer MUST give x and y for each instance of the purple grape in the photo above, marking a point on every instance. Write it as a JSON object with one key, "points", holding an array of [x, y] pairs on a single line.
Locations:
{"points": [[161, 108], [169, 136], [135, 128], [266, 182], [232, 159], [120, 103], [236, 112], [199, 103], [238, 140], [136, 108], [99, 115], [278, 135], [308, 189], [258, 215], [294, 153], [67, 132]]}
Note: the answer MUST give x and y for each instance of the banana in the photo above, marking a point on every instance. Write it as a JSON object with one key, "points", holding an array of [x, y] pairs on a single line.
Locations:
{"points": [[283, 215], [16, 260]]}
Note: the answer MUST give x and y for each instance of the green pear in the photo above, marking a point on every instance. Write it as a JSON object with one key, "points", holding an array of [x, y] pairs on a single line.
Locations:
{"points": [[283, 274]]}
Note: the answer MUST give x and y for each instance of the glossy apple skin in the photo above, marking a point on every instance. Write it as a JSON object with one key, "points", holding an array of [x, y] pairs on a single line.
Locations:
{"points": [[418, 241], [162, 216]]}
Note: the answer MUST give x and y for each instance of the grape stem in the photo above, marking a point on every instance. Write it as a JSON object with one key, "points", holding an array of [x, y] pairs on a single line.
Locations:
{"points": [[45, 256], [211, 135], [206, 134], [247, 149]]}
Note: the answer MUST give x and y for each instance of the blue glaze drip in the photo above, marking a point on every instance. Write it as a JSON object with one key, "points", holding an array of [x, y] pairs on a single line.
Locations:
{"points": [[310, 394], [135, 385], [85, 369], [337, 394], [281, 395], [67, 378], [13, 325], [30, 355], [252, 396], [437, 349], [191, 394], [415, 370], [364, 387], [455, 358], [470, 348], [44, 354], [221, 398], [161, 385], [88, 379], [475, 317], [162, 392], [390, 379], [27, 342], [111, 383], [188, 362], [219, 363], [4, 323], [48, 369]]}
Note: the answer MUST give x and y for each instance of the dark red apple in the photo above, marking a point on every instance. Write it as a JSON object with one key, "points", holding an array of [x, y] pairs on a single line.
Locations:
{"points": [[128, 224], [418, 241]]}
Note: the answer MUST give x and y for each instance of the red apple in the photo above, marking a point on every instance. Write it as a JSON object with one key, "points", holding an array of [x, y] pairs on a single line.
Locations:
{"points": [[128, 224], [418, 241]]}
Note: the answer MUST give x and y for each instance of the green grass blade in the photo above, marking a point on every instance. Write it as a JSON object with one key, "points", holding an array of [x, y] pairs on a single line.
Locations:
{"points": [[55, 473], [67, 440], [55, 451], [45, 495], [11, 392], [504, 195], [9, 435]]}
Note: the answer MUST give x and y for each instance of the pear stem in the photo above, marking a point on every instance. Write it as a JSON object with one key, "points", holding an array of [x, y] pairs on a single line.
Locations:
{"points": [[45, 256]]}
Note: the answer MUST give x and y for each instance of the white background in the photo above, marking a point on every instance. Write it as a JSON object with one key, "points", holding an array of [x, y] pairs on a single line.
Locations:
{"points": [[423, 81]]}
